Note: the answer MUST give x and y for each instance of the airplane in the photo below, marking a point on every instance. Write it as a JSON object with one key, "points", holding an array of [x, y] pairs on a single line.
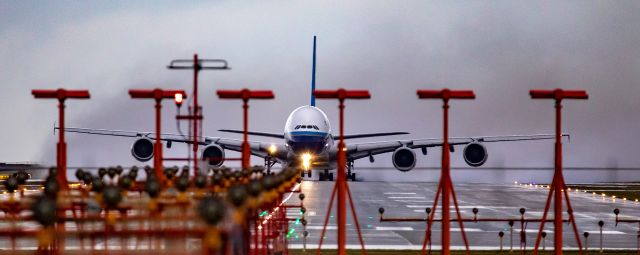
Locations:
{"points": [[309, 143]]}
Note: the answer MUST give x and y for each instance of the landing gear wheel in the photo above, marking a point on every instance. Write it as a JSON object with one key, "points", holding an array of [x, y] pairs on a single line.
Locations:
{"points": [[321, 177], [330, 177], [302, 174], [353, 177], [309, 173]]}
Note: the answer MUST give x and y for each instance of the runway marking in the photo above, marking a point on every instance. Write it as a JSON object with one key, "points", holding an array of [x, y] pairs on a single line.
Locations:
{"points": [[466, 206], [400, 193], [485, 207], [461, 211], [418, 206], [419, 247], [606, 232], [320, 227], [467, 229], [584, 215], [407, 197], [529, 230], [412, 201], [394, 228]]}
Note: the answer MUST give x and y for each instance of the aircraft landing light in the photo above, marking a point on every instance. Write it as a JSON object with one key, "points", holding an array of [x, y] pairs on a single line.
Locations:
{"points": [[306, 160]]}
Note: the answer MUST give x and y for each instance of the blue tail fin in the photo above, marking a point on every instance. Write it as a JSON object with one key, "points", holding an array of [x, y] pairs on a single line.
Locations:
{"points": [[313, 75]]}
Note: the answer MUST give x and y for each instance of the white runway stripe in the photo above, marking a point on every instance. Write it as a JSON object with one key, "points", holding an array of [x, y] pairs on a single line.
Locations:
{"points": [[394, 228], [320, 227], [418, 206], [416, 247], [467, 229], [400, 193], [407, 197], [593, 232]]}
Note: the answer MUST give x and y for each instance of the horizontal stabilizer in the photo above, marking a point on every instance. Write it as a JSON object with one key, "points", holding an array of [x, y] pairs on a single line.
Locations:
{"points": [[273, 135]]}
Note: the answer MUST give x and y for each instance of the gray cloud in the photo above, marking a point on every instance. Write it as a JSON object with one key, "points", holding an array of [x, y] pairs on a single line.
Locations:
{"points": [[500, 49]]}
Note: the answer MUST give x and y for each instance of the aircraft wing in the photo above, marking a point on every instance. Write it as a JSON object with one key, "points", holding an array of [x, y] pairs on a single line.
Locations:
{"points": [[260, 149], [361, 150], [335, 137]]}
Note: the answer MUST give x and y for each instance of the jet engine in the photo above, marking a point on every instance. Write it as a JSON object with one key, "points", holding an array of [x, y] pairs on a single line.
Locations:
{"points": [[214, 154], [475, 154], [142, 149], [404, 159]]}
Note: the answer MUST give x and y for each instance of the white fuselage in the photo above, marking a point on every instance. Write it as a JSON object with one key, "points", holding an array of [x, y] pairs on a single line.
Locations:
{"points": [[307, 131]]}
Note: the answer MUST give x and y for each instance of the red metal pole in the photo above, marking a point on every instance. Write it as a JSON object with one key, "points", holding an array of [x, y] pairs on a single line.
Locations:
{"points": [[245, 95], [340, 182], [558, 184], [445, 179], [246, 153], [196, 68], [157, 159], [557, 207], [157, 95], [62, 148], [446, 223]]}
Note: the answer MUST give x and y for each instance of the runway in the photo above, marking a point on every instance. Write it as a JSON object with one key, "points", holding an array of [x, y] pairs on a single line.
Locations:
{"points": [[492, 200]]}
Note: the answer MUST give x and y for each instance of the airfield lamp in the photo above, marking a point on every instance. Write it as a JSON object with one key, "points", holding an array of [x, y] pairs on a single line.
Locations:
{"points": [[273, 149], [178, 97]]}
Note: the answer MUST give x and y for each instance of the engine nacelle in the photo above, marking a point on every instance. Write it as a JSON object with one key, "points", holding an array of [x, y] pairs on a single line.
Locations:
{"points": [[214, 155], [142, 149], [404, 159], [475, 154]]}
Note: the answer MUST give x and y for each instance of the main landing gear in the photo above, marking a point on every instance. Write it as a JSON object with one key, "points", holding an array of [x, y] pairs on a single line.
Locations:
{"points": [[268, 163], [327, 176], [350, 176]]}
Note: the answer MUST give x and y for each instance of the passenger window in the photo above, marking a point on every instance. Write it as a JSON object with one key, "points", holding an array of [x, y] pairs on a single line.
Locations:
{"points": [[297, 127], [315, 127]]}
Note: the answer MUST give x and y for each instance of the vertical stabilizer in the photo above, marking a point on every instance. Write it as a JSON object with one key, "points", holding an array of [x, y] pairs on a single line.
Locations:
{"points": [[313, 74]]}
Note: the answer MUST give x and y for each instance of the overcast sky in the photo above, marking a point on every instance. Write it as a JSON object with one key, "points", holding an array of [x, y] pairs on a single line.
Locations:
{"points": [[500, 49]]}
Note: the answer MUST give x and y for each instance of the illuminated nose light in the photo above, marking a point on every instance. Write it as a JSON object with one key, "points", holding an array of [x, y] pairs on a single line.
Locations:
{"points": [[306, 160]]}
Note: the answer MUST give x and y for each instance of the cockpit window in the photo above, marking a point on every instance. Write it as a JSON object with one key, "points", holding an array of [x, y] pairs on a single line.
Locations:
{"points": [[307, 127]]}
